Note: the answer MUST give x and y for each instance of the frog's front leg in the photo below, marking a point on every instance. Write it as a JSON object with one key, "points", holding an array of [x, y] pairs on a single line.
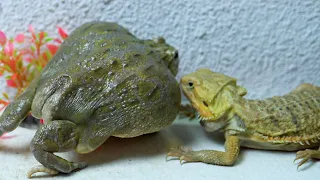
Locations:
{"points": [[17, 110], [306, 155], [187, 110], [56, 136], [227, 158]]}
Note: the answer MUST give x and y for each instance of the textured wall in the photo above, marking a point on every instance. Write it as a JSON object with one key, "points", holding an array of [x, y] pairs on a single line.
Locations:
{"points": [[270, 46]]}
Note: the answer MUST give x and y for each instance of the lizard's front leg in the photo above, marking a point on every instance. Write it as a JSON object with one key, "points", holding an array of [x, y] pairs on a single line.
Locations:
{"points": [[307, 154], [227, 158]]}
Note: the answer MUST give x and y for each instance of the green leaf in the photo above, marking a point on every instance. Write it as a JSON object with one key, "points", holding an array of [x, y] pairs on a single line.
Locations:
{"points": [[5, 95], [29, 66], [30, 77], [49, 55], [39, 68], [8, 77], [46, 40], [7, 67], [33, 49], [20, 64]]}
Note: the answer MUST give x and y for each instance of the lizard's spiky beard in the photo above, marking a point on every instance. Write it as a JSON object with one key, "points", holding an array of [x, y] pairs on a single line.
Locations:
{"points": [[202, 118]]}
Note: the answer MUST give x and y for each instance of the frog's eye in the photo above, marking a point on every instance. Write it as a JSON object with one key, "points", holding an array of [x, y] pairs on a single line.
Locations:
{"points": [[176, 55]]}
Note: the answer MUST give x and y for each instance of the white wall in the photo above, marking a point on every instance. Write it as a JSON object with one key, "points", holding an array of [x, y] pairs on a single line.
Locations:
{"points": [[270, 46]]}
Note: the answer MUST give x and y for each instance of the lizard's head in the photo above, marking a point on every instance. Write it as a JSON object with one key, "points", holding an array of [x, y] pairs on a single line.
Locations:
{"points": [[211, 94]]}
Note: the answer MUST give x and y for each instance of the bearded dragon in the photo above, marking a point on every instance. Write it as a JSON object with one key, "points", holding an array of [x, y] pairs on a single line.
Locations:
{"points": [[287, 123]]}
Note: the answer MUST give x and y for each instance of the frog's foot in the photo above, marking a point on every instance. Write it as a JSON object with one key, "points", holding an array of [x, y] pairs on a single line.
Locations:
{"points": [[181, 152], [41, 168], [188, 111], [56, 136], [306, 155]]}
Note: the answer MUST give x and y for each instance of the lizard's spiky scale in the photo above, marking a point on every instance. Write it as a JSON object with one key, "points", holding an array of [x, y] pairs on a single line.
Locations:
{"points": [[289, 118]]}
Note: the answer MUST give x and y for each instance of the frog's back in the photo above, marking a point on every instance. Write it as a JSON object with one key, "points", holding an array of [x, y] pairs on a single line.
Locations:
{"points": [[107, 74], [89, 42]]}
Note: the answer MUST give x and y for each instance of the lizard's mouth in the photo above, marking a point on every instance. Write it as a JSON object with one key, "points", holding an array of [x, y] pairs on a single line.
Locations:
{"points": [[204, 118], [203, 111]]}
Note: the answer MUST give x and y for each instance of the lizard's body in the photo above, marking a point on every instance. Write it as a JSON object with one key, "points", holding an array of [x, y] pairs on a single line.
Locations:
{"points": [[291, 121], [287, 123]]}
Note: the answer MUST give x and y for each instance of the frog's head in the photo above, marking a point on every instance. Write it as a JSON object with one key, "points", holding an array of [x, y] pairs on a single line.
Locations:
{"points": [[212, 95], [168, 53]]}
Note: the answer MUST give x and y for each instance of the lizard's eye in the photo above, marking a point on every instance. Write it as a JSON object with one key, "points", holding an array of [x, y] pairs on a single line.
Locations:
{"points": [[190, 83], [205, 103]]}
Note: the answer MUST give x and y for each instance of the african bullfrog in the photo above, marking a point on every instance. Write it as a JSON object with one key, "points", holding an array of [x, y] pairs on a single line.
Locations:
{"points": [[102, 82]]}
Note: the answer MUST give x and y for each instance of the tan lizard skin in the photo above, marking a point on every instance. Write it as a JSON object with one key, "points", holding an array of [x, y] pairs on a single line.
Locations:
{"points": [[287, 123]]}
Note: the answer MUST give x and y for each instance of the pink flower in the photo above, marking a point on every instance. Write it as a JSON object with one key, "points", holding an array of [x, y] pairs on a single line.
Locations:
{"points": [[19, 38], [57, 40], [62, 33], [6, 137], [3, 38], [9, 49], [11, 83], [30, 28], [52, 48], [28, 59]]}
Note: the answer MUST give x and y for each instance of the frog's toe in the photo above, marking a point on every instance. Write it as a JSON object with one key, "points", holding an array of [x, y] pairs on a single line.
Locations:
{"points": [[80, 165], [41, 168]]}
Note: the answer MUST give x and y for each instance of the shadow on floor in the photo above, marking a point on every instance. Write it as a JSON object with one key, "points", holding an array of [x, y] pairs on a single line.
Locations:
{"points": [[116, 149]]}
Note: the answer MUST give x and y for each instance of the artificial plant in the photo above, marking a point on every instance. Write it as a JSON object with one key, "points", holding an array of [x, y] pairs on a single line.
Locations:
{"points": [[23, 57]]}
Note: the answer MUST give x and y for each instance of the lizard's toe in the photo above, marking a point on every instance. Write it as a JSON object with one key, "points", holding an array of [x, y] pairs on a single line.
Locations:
{"points": [[304, 156], [178, 152], [187, 157]]}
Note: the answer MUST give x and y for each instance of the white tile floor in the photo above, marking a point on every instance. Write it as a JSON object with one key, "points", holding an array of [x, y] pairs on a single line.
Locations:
{"points": [[144, 158]]}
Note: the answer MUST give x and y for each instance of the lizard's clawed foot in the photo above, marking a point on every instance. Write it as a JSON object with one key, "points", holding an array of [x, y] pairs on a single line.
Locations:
{"points": [[305, 155], [183, 153]]}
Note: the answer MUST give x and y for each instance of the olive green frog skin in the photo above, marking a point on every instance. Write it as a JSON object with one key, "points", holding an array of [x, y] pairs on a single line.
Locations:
{"points": [[102, 82], [286, 123]]}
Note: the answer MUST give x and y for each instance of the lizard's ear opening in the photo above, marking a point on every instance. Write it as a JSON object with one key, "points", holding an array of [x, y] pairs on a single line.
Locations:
{"points": [[241, 91]]}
